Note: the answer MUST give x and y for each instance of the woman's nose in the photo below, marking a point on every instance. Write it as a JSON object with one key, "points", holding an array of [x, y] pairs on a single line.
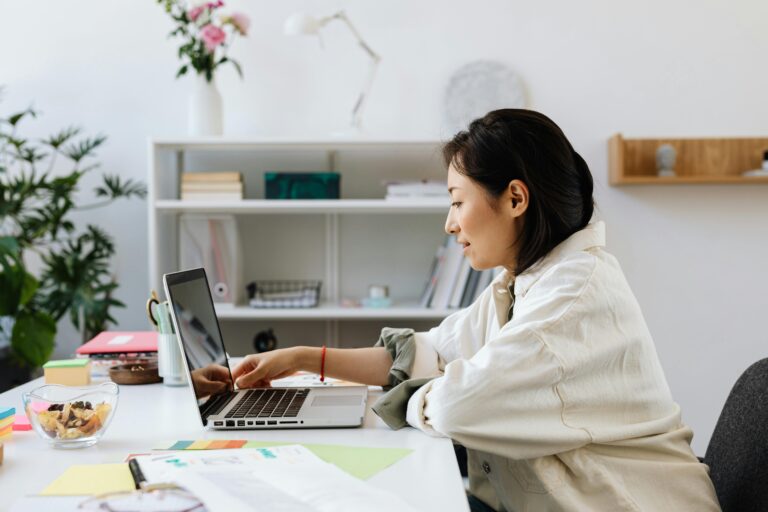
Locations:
{"points": [[451, 227]]}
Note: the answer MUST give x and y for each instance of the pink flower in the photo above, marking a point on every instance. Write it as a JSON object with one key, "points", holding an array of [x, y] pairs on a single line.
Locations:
{"points": [[212, 36], [195, 13], [215, 5], [241, 22]]}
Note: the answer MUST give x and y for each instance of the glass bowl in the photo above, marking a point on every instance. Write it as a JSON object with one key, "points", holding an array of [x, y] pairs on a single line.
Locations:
{"points": [[71, 416]]}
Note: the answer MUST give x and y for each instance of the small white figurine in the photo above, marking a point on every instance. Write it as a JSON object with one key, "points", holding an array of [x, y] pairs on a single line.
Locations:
{"points": [[665, 160]]}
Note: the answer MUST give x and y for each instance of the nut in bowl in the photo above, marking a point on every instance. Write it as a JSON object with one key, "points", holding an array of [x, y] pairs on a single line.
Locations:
{"points": [[69, 416]]}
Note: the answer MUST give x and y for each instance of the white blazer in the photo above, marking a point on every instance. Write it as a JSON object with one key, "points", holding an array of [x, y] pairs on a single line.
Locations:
{"points": [[565, 406]]}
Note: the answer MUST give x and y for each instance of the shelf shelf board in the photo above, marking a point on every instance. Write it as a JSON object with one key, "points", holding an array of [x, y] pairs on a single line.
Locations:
{"points": [[305, 206], [292, 143], [327, 311], [690, 180], [699, 161]]}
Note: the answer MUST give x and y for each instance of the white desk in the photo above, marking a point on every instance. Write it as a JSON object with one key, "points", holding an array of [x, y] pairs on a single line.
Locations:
{"points": [[149, 415]]}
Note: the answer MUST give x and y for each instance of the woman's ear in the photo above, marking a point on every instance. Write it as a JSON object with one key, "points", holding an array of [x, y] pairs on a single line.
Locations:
{"points": [[517, 197]]}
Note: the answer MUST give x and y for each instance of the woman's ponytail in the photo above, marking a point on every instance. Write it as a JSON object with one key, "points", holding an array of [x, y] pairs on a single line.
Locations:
{"points": [[586, 188]]}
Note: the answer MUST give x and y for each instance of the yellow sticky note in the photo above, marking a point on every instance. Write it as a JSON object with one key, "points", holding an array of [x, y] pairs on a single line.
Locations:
{"points": [[91, 479]]}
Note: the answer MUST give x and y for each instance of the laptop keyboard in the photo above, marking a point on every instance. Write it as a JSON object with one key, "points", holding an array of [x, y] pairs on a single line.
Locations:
{"points": [[269, 403]]}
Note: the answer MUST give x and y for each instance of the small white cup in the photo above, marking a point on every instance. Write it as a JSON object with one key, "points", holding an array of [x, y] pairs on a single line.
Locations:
{"points": [[170, 364]]}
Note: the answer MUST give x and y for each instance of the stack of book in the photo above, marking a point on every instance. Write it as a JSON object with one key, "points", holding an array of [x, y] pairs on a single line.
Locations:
{"points": [[452, 283], [417, 190], [211, 185]]}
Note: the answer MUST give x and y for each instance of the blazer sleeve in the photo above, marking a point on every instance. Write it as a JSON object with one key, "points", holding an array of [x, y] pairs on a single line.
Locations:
{"points": [[505, 399]]}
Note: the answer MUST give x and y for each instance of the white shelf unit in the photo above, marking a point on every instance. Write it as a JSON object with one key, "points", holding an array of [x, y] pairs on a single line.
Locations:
{"points": [[348, 243]]}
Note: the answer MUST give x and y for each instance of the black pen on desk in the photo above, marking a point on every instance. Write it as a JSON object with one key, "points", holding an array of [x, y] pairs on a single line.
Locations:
{"points": [[136, 473]]}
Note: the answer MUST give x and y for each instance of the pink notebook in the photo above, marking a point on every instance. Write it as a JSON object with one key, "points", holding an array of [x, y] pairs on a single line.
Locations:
{"points": [[112, 342]]}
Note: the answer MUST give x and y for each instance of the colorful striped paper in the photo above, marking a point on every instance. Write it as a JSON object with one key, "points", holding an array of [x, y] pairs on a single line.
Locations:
{"points": [[359, 461]]}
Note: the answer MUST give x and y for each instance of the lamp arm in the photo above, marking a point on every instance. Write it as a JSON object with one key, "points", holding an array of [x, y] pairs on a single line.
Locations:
{"points": [[357, 110], [342, 16]]}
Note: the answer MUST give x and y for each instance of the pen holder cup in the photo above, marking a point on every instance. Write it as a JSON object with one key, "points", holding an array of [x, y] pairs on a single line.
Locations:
{"points": [[170, 364]]}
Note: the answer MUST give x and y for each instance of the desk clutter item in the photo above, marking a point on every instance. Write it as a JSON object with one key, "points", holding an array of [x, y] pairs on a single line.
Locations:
{"points": [[71, 417], [134, 373], [7, 418], [21, 423], [120, 342], [211, 186], [284, 294], [359, 461], [68, 372], [301, 185], [170, 363], [91, 479], [212, 242]]}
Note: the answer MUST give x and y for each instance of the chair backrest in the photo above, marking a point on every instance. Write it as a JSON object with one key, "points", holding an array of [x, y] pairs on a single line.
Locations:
{"points": [[737, 454]]}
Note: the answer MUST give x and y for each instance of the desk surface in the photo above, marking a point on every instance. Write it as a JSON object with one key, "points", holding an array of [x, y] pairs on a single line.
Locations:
{"points": [[428, 478]]}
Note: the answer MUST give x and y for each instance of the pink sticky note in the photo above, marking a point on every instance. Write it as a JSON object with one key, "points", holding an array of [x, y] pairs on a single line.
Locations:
{"points": [[21, 423]]}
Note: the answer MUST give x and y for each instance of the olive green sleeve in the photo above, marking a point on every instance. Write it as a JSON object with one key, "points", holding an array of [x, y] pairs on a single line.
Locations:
{"points": [[393, 405], [401, 345]]}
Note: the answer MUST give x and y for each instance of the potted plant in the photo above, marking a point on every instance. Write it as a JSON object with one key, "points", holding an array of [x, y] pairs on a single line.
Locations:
{"points": [[48, 267]]}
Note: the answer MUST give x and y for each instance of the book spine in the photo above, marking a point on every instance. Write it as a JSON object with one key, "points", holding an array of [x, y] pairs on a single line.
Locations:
{"points": [[211, 176], [447, 277]]}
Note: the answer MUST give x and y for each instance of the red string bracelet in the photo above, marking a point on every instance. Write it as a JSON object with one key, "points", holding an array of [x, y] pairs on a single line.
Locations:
{"points": [[322, 365]]}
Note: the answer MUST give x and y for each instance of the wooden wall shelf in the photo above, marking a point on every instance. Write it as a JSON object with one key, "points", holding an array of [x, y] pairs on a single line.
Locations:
{"points": [[699, 161]]}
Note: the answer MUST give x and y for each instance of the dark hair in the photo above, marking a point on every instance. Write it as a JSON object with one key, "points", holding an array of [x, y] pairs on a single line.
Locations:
{"points": [[516, 144]]}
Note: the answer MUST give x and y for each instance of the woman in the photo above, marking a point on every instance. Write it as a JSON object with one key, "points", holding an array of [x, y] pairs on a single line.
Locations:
{"points": [[550, 379]]}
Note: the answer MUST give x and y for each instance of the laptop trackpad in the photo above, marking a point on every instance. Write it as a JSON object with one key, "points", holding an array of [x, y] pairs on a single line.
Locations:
{"points": [[321, 401]]}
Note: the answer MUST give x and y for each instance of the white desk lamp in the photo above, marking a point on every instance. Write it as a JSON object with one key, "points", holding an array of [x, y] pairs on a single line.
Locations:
{"points": [[301, 23]]}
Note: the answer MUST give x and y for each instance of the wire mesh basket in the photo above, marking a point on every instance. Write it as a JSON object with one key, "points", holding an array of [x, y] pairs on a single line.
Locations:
{"points": [[284, 294]]}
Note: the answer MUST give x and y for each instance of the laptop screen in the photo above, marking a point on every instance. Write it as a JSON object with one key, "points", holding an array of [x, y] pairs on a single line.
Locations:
{"points": [[200, 335]]}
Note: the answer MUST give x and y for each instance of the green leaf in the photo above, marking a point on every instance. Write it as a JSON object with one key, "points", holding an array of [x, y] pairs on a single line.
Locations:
{"points": [[15, 118], [182, 71], [28, 289], [85, 148], [57, 140], [237, 67], [114, 188], [33, 337], [9, 245]]}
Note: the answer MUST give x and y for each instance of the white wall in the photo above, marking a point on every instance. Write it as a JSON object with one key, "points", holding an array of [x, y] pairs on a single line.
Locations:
{"points": [[695, 255]]}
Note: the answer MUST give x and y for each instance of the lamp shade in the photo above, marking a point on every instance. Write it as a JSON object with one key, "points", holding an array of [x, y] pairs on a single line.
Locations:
{"points": [[301, 23]]}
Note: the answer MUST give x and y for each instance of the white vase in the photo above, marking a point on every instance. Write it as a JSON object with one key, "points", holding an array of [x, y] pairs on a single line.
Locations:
{"points": [[204, 108]]}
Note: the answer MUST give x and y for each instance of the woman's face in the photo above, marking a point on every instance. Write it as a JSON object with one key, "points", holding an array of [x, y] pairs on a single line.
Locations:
{"points": [[488, 228]]}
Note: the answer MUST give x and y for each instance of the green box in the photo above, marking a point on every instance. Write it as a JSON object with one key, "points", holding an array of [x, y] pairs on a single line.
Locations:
{"points": [[301, 185]]}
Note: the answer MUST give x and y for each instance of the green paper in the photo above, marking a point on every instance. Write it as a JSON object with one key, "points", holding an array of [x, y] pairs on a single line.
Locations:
{"points": [[361, 462], [66, 363]]}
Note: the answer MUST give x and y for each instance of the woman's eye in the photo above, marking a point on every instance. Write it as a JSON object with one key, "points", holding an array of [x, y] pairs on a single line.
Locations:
{"points": [[456, 204]]}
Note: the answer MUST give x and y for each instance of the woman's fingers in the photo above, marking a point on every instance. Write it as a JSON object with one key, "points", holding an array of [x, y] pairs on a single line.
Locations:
{"points": [[245, 366], [253, 377]]}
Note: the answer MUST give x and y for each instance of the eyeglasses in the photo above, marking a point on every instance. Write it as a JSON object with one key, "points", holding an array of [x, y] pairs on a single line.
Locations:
{"points": [[149, 499]]}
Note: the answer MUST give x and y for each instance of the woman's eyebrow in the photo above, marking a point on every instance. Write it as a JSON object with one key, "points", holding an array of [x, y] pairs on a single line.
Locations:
{"points": [[451, 189]]}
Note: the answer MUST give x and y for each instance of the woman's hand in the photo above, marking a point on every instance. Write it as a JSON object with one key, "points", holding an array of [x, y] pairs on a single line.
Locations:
{"points": [[258, 370]]}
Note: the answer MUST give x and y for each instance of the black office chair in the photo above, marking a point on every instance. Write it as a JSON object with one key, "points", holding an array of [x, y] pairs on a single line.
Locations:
{"points": [[737, 454]]}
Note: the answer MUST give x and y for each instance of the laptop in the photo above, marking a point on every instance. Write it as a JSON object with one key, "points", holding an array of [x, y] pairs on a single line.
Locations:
{"points": [[202, 346]]}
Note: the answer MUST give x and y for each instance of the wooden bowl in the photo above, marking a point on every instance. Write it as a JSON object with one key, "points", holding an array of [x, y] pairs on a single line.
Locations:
{"points": [[135, 373]]}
